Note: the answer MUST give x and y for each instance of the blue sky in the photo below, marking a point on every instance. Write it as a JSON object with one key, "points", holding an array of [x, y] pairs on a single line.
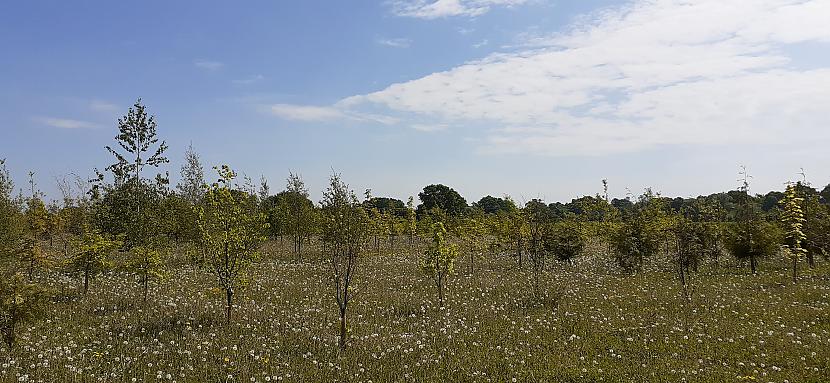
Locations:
{"points": [[531, 98]]}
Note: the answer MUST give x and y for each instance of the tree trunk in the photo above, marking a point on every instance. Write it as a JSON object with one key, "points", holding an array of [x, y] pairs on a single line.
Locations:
{"points": [[753, 264], [682, 272], [229, 294], [811, 260], [86, 279], [145, 284], [441, 293], [343, 328], [8, 332]]}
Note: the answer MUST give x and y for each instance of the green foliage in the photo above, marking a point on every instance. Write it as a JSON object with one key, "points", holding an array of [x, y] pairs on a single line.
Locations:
{"points": [[473, 232], [493, 205], [20, 301], [565, 240], [344, 235], [191, 186], [386, 205], [442, 197], [752, 240], [231, 229], [133, 209], [92, 255], [300, 216], [694, 241], [12, 222], [147, 263], [816, 229], [438, 261], [640, 235], [137, 137], [411, 221]]}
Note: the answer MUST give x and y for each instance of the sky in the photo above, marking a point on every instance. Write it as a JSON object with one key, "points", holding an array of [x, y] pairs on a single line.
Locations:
{"points": [[527, 98]]}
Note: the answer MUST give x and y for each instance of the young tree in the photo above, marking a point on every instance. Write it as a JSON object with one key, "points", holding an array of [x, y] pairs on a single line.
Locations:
{"points": [[639, 237], [377, 227], [750, 237], [439, 259], [816, 229], [538, 219], [564, 240], [344, 236], [20, 301], [134, 199], [411, 221], [231, 228], [300, 211], [792, 219], [75, 209], [148, 264], [37, 229], [473, 232], [92, 256], [517, 231], [690, 245], [137, 137], [192, 182], [12, 222]]}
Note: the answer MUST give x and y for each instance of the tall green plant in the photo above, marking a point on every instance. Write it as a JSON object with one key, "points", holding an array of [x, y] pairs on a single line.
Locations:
{"points": [[231, 229]]}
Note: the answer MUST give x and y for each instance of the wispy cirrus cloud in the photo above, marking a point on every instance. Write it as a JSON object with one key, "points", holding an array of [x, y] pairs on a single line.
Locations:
{"points": [[102, 106], [430, 127], [311, 113], [652, 73], [394, 43], [306, 112], [208, 65], [64, 123], [434, 9], [249, 80]]}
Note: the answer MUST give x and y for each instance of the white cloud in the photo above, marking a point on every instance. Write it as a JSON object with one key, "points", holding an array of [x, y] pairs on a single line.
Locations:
{"points": [[312, 113], [249, 80], [430, 127], [64, 123], [102, 106], [208, 65], [394, 43], [655, 72], [434, 9], [306, 112]]}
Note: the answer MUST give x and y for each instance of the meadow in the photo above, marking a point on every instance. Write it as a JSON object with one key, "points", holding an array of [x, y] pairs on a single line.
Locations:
{"points": [[593, 324]]}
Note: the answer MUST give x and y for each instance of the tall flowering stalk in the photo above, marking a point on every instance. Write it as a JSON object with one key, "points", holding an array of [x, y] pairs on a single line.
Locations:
{"points": [[793, 220]]}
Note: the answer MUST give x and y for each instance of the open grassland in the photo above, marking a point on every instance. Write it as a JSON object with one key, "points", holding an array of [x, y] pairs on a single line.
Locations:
{"points": [[594, 325]]}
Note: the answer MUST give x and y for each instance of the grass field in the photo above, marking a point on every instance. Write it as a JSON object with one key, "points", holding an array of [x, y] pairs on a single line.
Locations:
{"points": [[594, 325]]}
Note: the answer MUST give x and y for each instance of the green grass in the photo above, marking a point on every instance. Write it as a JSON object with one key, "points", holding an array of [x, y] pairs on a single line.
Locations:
{"points": [[594, 325]]}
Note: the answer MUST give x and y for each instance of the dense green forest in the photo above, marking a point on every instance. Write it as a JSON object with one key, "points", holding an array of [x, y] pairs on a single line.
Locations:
{"points": [[128, 244]]}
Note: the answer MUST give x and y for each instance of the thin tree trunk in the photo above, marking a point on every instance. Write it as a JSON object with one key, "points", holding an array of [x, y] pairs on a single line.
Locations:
{"points": [[343, 328], [145, 283], [229, 294], [86, 280], [440, 292]]}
